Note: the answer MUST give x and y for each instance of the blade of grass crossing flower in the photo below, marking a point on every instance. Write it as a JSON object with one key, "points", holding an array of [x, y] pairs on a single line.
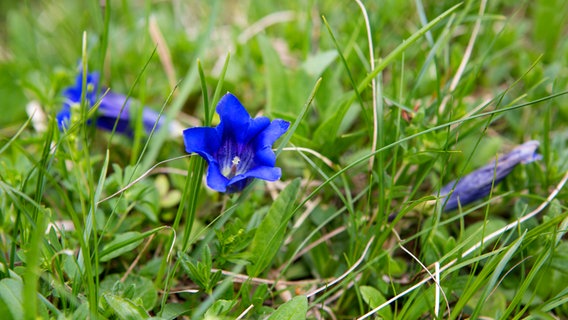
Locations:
{"points": [[200, 164], [299, 119], [83, 172], [204, 94], [270, 233], [128, 95], [217, 93]]}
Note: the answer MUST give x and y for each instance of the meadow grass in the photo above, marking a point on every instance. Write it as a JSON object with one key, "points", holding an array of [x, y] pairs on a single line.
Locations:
{"points": [[388, 101]]}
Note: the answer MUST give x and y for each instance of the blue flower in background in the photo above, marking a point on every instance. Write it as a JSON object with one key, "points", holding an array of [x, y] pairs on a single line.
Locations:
{"points": [[478, 183], [109, 109], [239, 149], [73, 96]]}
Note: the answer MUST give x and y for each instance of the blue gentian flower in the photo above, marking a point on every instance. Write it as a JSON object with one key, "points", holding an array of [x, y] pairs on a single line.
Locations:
{"points": [[478, 183], [239, 149], [109, 109]]}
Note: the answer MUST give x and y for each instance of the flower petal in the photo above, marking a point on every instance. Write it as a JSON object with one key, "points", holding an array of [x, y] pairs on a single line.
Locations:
{"points": [[149, 118], [107, 123], [112, 103], [215, 180], [478, 183], [204, 141], [256, 126], [234, 117], [264, 155], [239, 182], [63, 117], [262, 172], [114, 106], [73, 94], [239, 149], [274, 131]]}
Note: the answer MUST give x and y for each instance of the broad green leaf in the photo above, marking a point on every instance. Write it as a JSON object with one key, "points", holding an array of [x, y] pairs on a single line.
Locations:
{"points": [[374, 298], [128, 240], [270, 233], [140, 289], [219, 308], [11, 299], [316, 64], [175, 310], [293, 309], [490, 307], [125, 242], [276, 81], [124, 308]]}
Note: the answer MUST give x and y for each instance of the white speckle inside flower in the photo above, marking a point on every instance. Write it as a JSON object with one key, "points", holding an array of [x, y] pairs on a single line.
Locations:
{"points": [[231, 171], [236, 160]]}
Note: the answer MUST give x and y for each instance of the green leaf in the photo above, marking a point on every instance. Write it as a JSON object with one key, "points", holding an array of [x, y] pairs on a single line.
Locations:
{"points": [[293, 309], [270, 233], [124, 308], [374, 298], [316, 65], [11, 299], [276, 80], [125, 242], [219, 308], [476, 231], [200, 271], [138, 288], [175, 310]]}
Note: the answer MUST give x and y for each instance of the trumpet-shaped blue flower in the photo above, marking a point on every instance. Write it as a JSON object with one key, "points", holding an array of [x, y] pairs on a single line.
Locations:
{"points": [[239, 149], [112, 106], [478, 183]]}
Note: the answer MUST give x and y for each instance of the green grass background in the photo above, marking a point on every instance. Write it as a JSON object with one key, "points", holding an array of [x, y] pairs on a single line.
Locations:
{"points": [[318, 244]]}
